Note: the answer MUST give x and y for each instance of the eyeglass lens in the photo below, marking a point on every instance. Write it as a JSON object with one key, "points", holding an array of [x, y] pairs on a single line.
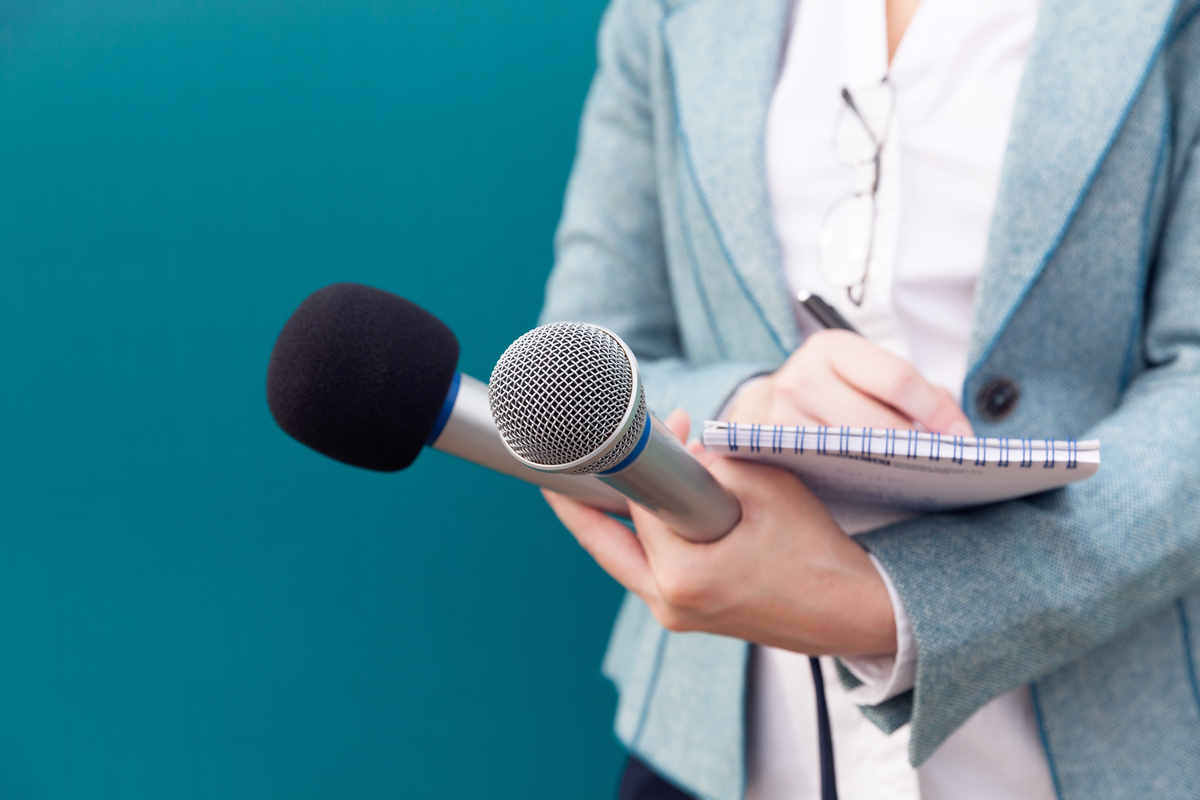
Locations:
{"points": [[845, 242]]}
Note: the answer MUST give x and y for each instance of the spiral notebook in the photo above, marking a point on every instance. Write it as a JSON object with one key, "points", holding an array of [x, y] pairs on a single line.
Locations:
{"points": [[908, 470]]}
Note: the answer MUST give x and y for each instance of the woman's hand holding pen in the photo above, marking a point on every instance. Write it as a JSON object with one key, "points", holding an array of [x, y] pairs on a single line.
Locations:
{"points": [[840, 378]]}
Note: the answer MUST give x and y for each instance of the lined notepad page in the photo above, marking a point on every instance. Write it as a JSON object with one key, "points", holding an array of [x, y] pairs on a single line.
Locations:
{"points": [[908, 470]]}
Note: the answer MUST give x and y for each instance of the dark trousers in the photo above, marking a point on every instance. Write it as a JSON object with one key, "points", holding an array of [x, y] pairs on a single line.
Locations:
{"points": [[639, 782]]}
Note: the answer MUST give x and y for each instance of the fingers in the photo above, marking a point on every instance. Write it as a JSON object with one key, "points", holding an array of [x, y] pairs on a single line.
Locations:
{"points": [[614, 547], [838, 403], [840, 378], [679, 424], [949, 398], [887, 380], [752, 401]]}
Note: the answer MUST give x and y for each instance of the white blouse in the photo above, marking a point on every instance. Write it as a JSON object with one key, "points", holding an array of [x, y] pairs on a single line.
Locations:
{"points": [[954, 81]]}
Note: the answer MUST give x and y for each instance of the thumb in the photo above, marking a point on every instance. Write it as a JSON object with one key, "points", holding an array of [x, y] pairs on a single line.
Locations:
{"points": [[679, 423]]}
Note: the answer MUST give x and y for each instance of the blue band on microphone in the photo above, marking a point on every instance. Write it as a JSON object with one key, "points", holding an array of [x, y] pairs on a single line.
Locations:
{"points": [[444, 415], [637, 450]]}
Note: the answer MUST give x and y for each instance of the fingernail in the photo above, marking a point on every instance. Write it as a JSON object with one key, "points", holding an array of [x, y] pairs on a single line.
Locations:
{"points": [[961, 429]]}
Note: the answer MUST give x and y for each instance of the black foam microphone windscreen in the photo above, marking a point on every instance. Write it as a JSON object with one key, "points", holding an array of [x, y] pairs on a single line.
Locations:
{"points": [[360, 375]]}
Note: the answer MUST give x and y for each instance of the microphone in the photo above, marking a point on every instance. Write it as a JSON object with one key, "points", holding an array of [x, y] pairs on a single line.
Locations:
{"points": [[567, 399], [368, 378]]}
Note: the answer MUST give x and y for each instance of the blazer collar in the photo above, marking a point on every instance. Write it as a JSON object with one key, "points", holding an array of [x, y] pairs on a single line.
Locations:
{"points": [[1086, 65], [1087, 62], [724, 57]]}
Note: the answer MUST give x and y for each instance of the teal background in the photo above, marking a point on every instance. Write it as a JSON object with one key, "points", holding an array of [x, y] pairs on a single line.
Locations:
{"points": [[191, 604]]}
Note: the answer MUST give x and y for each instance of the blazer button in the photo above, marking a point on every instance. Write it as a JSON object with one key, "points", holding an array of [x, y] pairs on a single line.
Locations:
{"points": [[998, 399]]}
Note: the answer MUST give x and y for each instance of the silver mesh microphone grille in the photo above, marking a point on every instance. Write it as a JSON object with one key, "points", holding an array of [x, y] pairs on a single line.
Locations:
{"points": [[561, 392]]}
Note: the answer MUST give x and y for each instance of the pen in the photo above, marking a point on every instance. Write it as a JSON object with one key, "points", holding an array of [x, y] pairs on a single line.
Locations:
{"points": [[823, 313]]}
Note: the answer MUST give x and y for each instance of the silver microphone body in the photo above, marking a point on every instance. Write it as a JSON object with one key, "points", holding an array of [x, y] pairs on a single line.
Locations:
{"points": [[567, 398], [470, 433], [669, 482]]}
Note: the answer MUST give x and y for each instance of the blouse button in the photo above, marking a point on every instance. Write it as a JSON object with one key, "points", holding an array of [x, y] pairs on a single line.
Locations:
{"points": [[998, 399]]}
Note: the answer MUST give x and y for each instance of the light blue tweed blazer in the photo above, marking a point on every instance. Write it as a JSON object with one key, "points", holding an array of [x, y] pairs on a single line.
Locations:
{"points": [[1090, 301]]}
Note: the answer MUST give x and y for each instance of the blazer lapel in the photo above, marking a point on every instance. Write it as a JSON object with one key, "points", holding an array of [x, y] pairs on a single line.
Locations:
{"points": [[723, 58], [1086, 65]]}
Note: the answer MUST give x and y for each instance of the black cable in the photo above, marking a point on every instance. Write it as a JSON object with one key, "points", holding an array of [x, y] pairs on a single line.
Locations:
{"points": [[824, 734]]}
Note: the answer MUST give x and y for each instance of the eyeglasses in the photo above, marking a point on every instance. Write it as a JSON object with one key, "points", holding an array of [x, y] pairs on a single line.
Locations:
{"points": [[847, 236]]}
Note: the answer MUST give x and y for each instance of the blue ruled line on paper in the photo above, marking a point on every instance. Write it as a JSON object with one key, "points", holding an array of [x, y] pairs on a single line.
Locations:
{"points": [[1049, 455]]}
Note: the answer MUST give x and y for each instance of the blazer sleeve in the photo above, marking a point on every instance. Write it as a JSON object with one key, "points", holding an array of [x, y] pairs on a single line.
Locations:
{"points": [[1002, 595], [610, 256]]}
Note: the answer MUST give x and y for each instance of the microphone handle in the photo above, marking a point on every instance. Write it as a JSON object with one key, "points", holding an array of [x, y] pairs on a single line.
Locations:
{"points": [[676, 488], [470, 434]]}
